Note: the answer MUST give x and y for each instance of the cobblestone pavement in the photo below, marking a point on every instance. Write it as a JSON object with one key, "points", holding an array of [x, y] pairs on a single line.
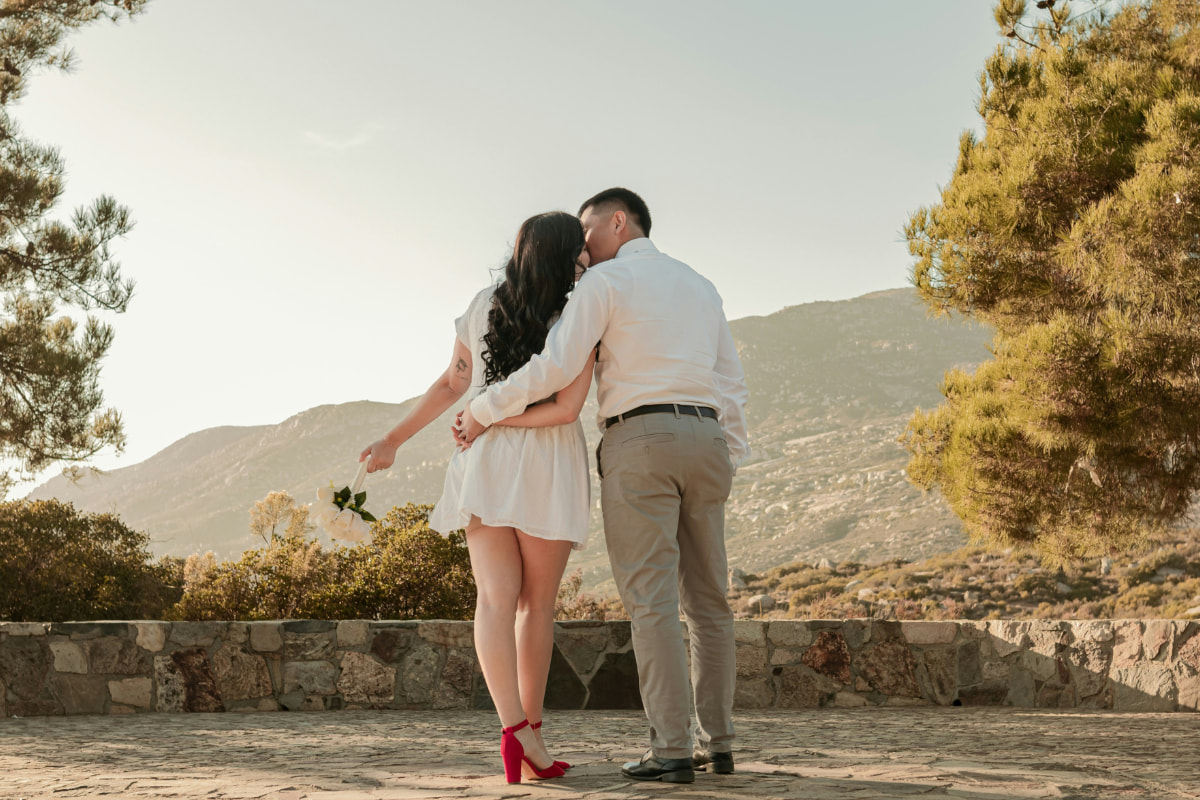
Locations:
{"points": [[976, 754]]}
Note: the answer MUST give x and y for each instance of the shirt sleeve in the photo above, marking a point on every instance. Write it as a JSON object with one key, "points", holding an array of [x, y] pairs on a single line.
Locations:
{"points": [[731, 385], [462, 324], [568, 346]]}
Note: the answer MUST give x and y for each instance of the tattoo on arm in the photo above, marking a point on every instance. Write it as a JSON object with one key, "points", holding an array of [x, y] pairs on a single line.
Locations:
{"points": [[461, 366]]}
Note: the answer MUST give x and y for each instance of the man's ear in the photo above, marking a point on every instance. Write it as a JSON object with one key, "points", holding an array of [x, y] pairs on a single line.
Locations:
{"points": [[619, 220]]}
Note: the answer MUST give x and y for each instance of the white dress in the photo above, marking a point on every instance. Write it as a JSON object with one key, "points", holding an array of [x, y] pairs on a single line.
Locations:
{"points": [[533, 479]]}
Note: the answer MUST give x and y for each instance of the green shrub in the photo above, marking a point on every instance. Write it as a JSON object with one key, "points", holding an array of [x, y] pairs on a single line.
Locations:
{"points": [[59, 564]]}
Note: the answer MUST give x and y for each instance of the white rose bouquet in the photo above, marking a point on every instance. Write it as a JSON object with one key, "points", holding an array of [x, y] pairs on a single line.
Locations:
{"points": [[340, 511]]}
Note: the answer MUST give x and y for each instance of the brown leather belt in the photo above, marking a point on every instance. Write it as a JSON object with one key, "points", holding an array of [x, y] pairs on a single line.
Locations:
{"points": [[663, 408]]}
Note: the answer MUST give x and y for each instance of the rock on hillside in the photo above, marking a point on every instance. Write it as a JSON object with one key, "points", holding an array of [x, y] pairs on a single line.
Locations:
{"points": [[831, 387]]}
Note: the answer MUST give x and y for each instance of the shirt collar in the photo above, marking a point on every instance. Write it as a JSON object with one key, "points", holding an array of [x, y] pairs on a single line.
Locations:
{"points": [[640, 245]]}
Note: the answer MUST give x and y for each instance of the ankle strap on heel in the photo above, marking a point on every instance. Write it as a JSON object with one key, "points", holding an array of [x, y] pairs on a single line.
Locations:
{"points": [[516, 727]]}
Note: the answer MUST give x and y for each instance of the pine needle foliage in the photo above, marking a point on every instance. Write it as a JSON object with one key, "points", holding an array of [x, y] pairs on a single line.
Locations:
{"points": [[51, 406], [1072, 225]]}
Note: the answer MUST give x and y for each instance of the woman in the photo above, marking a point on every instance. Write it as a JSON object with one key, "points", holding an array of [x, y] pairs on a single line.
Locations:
{"points": [[521, 491]]}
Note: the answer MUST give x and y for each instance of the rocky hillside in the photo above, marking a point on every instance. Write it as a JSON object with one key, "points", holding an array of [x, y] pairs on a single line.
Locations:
{"points": [[974, 583], [831, 387]]}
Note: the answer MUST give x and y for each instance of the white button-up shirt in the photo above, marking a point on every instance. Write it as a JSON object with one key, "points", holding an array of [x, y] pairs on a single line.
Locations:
{"points": [[663, 338]]}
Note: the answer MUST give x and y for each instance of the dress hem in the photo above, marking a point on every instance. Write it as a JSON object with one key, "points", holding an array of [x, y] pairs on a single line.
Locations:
{"points": [[500, 523]]}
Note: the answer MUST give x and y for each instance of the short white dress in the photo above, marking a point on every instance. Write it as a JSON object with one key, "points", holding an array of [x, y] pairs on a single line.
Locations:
{"points": [[533, 479]]}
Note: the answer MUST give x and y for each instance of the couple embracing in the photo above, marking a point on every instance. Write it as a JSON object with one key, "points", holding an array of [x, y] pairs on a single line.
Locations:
{"points": [[583, 296]]}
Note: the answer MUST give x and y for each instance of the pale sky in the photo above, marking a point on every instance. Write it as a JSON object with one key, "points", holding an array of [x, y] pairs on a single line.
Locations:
{"points": [[320, 188]]}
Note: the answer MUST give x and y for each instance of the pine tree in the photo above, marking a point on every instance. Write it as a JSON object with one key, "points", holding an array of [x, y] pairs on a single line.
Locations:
{"points": [[1072, 225], [51, 406]]}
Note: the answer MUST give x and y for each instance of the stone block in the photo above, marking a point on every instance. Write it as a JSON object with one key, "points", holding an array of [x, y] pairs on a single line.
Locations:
{"points": [[1188, 692], [970, 668], [152, 636], [308, 626], [1056, 697], [621, 633], [751, 661], [448, 634], [1041, 666], [1127, 643], [988, 693], [928, 632], [458, 680], [24, 628], [564, 688], [318, 646], [353, 633], [890, 669], [309, 677], [750, 631], [801, 687], [185, 682], [614, 686], [390, 644], [169, 680], [240, 675], [1094, 631], [996, 671], [829, 655], [109, 655], [79, 694], [789, 633], [1146, 687], [195, 634], [417, 676], [266, 637], [905, 702], [1187, 657], [364, 680], [134, 692], [1008, 636], [25, 663], [754, 693], [785, 655], [849, 700], [1160, 633], [82, 631], [937, 675], [582, 647], [1048, 638], [1089, 660], [857, 632], [1022, 690], [69, 657], [973, 629]]}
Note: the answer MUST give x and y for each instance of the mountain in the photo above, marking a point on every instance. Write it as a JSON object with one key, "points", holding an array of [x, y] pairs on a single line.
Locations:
{"points": [[832, 385]]}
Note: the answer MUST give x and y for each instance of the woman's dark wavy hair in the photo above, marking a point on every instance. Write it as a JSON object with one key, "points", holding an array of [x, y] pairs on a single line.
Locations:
{"points": [[537, 280]]}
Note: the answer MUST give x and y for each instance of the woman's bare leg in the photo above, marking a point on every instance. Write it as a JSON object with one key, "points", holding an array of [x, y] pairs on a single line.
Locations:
{"points": [[496, 561], [543, 562]]}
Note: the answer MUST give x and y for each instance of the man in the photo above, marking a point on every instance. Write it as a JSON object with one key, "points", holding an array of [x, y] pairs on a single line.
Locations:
{"points": [[672, 397]]}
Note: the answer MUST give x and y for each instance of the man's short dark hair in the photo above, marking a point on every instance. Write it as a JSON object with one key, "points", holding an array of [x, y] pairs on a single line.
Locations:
{"points": [[628, 201]]}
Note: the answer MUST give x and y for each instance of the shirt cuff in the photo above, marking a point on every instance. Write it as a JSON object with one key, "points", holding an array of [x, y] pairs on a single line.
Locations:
{"points": [[481, 412]]}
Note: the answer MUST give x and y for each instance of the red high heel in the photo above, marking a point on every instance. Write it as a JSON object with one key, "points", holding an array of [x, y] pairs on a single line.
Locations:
{"points": [[512, 752], [559, 764]]}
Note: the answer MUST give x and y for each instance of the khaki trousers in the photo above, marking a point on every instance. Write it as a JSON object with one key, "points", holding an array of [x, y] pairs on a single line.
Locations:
{"points": [[664, 482]]}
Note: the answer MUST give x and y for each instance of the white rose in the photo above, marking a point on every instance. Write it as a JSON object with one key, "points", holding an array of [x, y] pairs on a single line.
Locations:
{"points": [[360, 531], [325, 494]]}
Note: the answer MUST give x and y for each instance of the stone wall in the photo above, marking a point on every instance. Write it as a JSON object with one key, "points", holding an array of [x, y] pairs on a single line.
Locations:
{"points": [[133, 667]]}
